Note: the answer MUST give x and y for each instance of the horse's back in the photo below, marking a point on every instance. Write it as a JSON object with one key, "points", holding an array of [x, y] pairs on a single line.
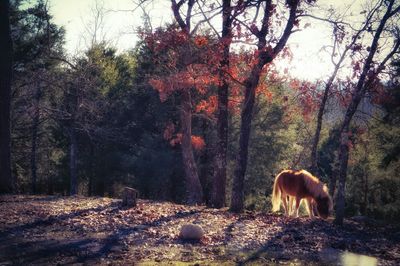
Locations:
{"points": [[293, 183]]}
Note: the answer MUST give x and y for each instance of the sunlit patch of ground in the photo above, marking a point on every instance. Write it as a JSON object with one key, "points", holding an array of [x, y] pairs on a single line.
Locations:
{"points": [[51, 230]]}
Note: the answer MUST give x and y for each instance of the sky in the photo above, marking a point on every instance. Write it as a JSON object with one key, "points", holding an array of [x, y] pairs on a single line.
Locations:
{"points": [[122, 19]]}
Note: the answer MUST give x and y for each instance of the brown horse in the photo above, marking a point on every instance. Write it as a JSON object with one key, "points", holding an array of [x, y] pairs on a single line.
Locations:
{"points": [[292, 185]]}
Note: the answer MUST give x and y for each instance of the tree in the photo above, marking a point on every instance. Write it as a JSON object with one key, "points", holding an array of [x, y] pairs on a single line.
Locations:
{"points": [[188, 63], [392, 117], [264, 54], [6, 51], [37, 50], [219, 178], [184, 73], [338, 56], [83, 103], [367, 77]]}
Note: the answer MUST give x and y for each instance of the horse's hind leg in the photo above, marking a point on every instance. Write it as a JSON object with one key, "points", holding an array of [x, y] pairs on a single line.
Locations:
{"points": [[285, 203]]}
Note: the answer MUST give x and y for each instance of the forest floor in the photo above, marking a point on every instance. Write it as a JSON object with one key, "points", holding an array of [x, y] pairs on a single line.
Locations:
{"points": [[52, 230]]}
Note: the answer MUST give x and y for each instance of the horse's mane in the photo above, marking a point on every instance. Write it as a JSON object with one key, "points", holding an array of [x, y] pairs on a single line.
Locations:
{"points": [[313, 185]]}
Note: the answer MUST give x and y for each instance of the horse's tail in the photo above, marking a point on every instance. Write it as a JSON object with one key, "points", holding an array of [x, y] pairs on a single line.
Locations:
{"points": [[276, 195]]}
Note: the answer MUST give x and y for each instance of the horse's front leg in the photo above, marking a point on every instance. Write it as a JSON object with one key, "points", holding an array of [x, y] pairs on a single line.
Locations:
{"points": [[297, 206], [310, 208]]}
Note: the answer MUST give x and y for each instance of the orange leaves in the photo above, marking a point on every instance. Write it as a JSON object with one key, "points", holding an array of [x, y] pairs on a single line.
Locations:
{"points": [[163, 39], [263, 89], [200, 41], [208, 106], [161, 87], [202, 77], [195, 76], [198, 142], [307, 97], [167, 85]]}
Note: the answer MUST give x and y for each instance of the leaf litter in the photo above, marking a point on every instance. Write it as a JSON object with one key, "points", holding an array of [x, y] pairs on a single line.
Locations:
{"points": [[48, 230]]}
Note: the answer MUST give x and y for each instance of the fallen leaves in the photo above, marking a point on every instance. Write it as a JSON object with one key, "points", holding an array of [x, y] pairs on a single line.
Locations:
{"points": [[101, 230]]}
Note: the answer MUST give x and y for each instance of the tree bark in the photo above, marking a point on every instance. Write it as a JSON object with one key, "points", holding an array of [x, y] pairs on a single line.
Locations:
{"points": [[357, 96], [35, 126], [73, 158], [92, 170], [364, 208], [193, 186], [343, 163], [6, 51], [332, 185], [219, 181]]}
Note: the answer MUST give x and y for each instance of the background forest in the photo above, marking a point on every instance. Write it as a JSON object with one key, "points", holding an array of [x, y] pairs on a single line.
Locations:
{"points": [[106, 119]]}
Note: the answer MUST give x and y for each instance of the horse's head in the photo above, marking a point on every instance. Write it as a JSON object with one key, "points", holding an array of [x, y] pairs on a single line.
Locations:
{"points": [[324, 203], [323, 206]]}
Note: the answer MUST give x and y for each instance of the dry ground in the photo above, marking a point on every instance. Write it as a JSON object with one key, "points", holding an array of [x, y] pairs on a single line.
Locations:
{"points": [[51, 230]]}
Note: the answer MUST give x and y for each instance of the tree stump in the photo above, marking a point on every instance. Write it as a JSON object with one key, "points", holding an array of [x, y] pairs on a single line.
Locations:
{"points": [[129, 197]]}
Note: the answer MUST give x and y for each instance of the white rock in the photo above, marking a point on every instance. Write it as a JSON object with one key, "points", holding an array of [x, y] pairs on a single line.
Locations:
{"points": [[191, 232]]}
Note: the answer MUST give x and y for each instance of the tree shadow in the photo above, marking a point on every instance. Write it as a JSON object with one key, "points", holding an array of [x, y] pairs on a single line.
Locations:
{"points": [[54, 219], [17, 250], [275, 249], [114, 240], [293, 243], [44, 251], [229, 229]]}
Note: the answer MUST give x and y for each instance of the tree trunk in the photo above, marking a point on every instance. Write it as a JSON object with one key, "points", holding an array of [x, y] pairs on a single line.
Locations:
{"points": [[35, 126], [343, 163], [237, 198], [33, 153], [6, 51], [92, 170], [366, 188], [219, 181], [73, 158], [321, 110], [264, 57], [359, 92], [332, 185], [50, 185], [193, 186]]}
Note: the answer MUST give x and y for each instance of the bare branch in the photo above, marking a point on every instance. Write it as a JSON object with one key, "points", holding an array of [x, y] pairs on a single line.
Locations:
{"points": [[288, 28], [208, 20]]}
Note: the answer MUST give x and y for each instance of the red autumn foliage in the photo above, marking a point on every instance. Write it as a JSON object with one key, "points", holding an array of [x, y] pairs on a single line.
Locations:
{"points": [[200, 41], [208, 106], [198, 142], [194, 76], [307, 92]]}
